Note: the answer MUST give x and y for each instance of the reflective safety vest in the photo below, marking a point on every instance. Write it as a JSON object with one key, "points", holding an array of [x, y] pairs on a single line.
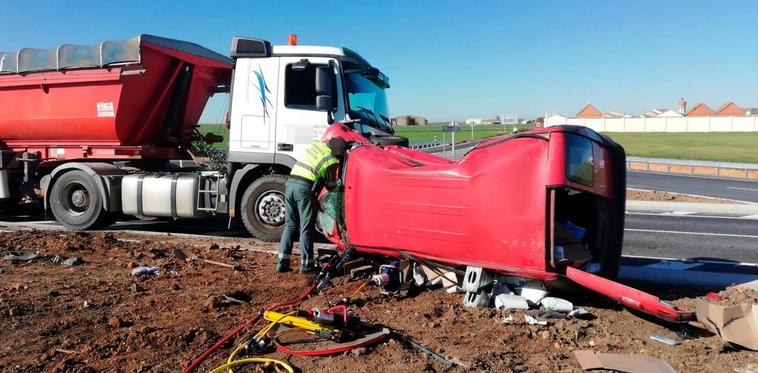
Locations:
{"points": [[313, 163]]}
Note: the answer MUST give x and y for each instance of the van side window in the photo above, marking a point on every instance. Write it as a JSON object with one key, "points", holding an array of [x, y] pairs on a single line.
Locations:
{"points": [[300, 87]]}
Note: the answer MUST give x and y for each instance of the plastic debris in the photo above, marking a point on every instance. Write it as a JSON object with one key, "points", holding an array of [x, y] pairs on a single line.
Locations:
{"points": [[511, 302], [508, 319], [665, 340], [557, 304], [74, 261], [579, 313], [533, 291], [17, 257], [145, 271], [532, 321]]}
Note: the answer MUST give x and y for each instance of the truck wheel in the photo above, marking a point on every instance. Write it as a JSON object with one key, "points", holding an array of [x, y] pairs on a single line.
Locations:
{"points": [[391, 140], [76, 202], [262, 207]]}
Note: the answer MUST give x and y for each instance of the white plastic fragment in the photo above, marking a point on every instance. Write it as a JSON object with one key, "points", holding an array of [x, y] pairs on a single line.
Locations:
{"points": [[556, 304], [579, 312], [508, 319], [511, 302], [532, 321], [145, 271], [455, 289], [533, 291]]}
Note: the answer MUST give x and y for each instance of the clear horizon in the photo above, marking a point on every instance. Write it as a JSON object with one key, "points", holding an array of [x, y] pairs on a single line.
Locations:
{"points": [[456, 59]]}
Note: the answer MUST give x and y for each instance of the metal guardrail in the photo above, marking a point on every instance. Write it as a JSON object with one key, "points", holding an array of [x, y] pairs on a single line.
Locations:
{"points": [[426, 145]]}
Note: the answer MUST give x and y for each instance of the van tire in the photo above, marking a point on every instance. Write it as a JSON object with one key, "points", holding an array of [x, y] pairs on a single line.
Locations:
{"points": [[76, 202], [262, 207]]}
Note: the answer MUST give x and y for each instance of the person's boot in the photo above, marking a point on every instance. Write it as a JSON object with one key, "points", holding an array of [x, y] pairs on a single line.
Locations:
{"points": [[282, 267], [308, 270]]}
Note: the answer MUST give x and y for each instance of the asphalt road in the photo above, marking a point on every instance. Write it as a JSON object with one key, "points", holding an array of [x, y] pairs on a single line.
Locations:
{"points": [[741, 190], [691, 237]]}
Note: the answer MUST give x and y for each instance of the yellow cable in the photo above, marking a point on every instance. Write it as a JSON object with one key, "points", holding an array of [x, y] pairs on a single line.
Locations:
{"points": [[359, 289], [263, 331], [251, 360]]}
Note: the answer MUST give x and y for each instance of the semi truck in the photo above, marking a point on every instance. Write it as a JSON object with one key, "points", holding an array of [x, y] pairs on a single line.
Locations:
{"points": [[95, 132]]}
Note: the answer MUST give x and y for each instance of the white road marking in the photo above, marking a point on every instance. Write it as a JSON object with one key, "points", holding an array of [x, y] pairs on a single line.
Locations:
{"points": [[751, 217], [691, 233], [748, 189], [696, 260]]}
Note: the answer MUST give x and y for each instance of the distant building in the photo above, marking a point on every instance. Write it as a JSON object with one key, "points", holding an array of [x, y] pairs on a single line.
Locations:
{"points": [[409, 120], [700, 110], [474, 121], [751, 111], [495, 120], [589, 111], [662, 113], [731, 110]]}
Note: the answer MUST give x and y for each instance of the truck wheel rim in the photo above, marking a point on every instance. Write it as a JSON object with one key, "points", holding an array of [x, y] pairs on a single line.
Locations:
{"points": [[75, 199], [270, 207]]}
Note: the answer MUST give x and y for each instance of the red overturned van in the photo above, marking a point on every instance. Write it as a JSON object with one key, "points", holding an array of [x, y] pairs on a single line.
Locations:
{"points": [[546, 204]]}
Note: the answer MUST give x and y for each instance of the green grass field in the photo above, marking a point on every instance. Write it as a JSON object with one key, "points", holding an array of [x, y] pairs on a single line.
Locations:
{"points": [[217, 129], [707, 146]]}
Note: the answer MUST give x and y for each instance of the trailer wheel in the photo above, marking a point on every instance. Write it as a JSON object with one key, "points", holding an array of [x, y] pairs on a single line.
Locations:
{"points": [[76, 202], [262, 207]]}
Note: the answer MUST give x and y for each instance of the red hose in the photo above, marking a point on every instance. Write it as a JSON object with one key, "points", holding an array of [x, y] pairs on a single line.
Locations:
{"points": [[328, 351], [242, 327]]}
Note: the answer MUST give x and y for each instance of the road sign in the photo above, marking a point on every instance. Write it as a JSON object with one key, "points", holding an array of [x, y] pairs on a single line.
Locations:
{"points": [[451, 128]]}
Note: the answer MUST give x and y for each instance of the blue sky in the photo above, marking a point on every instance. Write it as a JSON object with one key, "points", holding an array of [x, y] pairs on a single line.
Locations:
{"points": [[458, 59]]}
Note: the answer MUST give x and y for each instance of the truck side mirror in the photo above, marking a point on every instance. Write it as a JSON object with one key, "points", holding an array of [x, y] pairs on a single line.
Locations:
{"points": [[325, 97]]}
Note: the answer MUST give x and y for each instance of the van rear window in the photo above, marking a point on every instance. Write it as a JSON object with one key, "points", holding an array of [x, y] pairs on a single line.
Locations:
{"points": [[580, 164]]}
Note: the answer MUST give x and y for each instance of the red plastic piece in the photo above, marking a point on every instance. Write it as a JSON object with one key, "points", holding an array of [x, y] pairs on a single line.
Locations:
{"points": [[713, 296], [629, 297]]}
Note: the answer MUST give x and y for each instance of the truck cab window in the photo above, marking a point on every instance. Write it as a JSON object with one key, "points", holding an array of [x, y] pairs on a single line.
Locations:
{"points": [[300, 87]]}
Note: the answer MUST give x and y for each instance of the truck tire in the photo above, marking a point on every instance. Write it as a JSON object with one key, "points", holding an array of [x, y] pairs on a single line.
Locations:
{"points": [[391, 140], [76, 202], [262, 207]]}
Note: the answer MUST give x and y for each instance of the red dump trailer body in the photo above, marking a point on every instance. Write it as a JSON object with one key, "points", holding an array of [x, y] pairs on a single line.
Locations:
{"points": [[139, 98]]}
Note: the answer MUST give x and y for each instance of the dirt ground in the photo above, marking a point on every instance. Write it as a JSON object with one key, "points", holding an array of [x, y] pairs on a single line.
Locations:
{"points": [[654, 195], [95, 316]]}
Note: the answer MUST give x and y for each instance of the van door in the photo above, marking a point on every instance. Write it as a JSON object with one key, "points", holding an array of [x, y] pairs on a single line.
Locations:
{"points": [[298, 121]]}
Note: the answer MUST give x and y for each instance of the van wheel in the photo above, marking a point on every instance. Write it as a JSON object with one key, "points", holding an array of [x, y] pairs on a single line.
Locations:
{"points": [[262, 207], [391, 140], [76, 202]]}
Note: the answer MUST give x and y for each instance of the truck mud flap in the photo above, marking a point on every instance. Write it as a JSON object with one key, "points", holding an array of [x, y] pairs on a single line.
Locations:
{"points": [[629, 297]]}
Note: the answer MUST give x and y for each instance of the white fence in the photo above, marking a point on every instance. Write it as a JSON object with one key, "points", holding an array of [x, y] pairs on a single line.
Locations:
{"points": [[683, 124]]}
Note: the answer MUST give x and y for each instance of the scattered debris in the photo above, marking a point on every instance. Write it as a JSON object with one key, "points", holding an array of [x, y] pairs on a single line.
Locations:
{"points": [[557, 304], [580, 313], [508, 319], [187, 255], [2, 270], [73, 261], [21, 257], [533, 291], [624, 363], [665, 340], [146, 271], [736, 324], [511, 301], [530, 320]]}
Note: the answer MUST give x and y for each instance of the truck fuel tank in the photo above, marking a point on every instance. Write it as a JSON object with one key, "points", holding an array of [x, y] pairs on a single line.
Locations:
{"points": [[161, 195]]}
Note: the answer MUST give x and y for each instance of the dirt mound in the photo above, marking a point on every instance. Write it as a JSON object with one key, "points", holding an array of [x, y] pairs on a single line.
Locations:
{"points": [[96, 316]]}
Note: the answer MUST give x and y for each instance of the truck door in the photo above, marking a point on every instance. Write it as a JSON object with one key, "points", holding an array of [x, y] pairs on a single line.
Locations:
{"points": [[255, 107], [298, 122]]}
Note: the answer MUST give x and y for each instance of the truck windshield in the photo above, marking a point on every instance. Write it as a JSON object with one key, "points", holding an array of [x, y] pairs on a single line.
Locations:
{"points": [[368, 101]]}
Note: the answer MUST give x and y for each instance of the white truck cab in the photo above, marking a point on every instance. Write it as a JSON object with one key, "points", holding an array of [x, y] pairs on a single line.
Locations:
{"points": [[274, 116]]}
